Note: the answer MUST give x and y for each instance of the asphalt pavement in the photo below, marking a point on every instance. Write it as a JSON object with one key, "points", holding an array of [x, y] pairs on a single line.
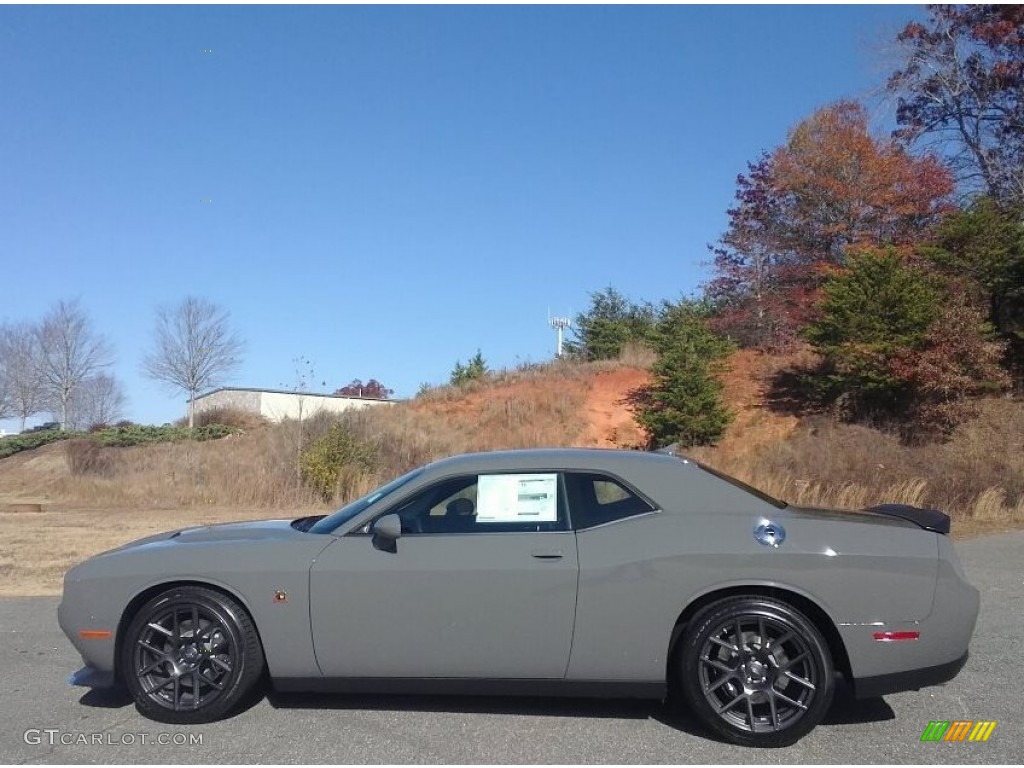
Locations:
{"points": [[43, 720]]}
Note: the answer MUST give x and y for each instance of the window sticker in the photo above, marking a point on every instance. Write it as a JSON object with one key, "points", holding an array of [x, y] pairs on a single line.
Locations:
{"points": [[529, 498]]}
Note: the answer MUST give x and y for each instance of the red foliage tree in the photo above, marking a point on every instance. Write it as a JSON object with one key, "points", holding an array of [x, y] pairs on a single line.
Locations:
{"points": [[958, 360], [799, 209], [372, 389]]}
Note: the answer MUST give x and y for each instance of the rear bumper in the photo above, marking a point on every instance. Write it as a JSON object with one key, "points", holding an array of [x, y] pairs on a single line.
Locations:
{"points": [[911, 680], [881, 667]]}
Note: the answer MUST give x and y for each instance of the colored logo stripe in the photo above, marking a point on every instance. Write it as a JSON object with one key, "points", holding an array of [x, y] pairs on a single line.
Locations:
{"points": [[982, 730], [958, 730]]}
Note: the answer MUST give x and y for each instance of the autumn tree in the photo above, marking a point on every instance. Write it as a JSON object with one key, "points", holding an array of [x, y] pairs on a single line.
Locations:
{"points": [[194, 348], [371, 388], [756, 292], [683, 401], [983, 247], [958, 361], [960, 91], [800, 209], [70, 352], [611, 321], [898, 341]]}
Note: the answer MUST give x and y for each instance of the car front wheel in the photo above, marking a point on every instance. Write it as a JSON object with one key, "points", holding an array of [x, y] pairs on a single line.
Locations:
{"points": [[756, 671], [190, 655]]}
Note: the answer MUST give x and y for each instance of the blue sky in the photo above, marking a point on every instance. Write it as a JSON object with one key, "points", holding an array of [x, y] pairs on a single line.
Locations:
{"points": [[391, 188]]}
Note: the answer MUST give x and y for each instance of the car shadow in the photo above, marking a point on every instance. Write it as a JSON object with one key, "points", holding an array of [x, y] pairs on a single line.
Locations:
{"points": [[849, 710], [845, 709], [106, 698], [625, 709]]}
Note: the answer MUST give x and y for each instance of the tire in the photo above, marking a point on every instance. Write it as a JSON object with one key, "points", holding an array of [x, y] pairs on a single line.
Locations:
{"points": [[752, 692], [163, 667]]}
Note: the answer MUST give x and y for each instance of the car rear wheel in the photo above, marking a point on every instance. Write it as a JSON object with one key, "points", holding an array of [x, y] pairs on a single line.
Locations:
{"points": [[756, 671], [190, 655]]}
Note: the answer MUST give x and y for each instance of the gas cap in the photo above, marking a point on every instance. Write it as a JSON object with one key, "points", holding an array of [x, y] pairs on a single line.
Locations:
{"points": [[770, 534]]}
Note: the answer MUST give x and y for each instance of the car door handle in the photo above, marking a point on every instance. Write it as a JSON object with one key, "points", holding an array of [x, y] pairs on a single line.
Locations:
{"points": [[547, 554]]}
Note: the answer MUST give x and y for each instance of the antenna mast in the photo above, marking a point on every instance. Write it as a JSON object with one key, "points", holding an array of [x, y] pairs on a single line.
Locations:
{"points": [[559, 324]]}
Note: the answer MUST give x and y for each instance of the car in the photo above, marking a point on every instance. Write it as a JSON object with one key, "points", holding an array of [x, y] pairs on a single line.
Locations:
{"points": [[48, 426], [562, 572]]}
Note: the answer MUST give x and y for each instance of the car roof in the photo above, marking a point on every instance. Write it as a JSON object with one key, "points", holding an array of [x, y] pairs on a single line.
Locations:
{"points": [[608, 459]]}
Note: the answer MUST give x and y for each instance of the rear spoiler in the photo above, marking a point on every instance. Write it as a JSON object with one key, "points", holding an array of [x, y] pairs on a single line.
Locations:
{"points": [[929, 519]]}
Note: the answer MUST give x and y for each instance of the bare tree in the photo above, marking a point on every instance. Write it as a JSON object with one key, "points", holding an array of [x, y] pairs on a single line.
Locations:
{"points": [[20, 371], [960, 86], [6, 401], [194, 348], [305, 377], [69, 353], [99, 400]]}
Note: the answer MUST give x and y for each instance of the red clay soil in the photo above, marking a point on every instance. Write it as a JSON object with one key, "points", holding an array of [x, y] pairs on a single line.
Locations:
{"points": [[610, 422], [753, 426]]}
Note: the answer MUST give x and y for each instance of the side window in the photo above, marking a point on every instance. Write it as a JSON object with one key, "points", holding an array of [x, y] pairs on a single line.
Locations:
{"points": [[492, 503], [597, 499]]}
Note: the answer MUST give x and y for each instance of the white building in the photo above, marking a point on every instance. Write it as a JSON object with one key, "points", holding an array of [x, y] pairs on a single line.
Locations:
{"points": [[277, 405]]}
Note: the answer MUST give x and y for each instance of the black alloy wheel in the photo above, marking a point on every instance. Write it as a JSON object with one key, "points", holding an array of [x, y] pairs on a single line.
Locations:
{"points": [[756, 671], [190, 655]]}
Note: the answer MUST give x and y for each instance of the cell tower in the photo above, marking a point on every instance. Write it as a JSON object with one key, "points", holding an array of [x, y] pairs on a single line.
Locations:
{"points": [[559, 324]]}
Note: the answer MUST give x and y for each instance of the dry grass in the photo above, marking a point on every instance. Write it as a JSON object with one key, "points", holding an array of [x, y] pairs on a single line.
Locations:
{"points": [[977, 476], [229, 417], [37, 548], [255, 470]]}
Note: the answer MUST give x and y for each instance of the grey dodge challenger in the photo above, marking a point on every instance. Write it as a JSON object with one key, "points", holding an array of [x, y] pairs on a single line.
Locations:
{"points": [[565, 571]]}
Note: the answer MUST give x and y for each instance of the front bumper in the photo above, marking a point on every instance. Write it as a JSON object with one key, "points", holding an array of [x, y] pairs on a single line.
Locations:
{"points": [[90, 677]]}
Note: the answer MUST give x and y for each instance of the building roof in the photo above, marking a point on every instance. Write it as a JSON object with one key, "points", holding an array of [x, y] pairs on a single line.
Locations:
{"points": [[288, 392]]}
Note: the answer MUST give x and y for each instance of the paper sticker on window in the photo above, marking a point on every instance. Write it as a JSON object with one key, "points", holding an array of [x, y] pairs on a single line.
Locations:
{"points": [[517, 498]]}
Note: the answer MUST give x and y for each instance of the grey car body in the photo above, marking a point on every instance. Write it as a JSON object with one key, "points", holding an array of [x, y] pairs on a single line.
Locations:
{"points": [[557, 607]]}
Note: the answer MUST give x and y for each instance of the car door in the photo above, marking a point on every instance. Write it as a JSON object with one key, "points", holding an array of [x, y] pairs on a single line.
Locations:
{"points": [[482, 584]]}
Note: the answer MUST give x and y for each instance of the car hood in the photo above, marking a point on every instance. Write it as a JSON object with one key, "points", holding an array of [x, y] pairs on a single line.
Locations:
{"points": [[256, 530]]}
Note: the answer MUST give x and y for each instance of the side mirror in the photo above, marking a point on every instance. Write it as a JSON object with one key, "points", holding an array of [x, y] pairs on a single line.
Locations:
{"points": [[386, 533]]}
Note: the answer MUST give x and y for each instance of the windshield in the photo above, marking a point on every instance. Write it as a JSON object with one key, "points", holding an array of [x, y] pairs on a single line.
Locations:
{"points": [[346, 513]]}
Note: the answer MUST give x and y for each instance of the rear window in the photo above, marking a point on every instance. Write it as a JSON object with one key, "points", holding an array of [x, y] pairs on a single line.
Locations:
{"points": [[596, 499]]}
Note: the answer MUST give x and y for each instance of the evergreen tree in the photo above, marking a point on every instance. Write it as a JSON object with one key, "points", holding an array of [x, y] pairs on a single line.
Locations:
{"points": [[877, 308], [475, 368], [683, 402], [611, 322]]}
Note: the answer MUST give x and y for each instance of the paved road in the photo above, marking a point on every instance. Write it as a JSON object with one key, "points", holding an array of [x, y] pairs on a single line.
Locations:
{"points": [[36, 659]]}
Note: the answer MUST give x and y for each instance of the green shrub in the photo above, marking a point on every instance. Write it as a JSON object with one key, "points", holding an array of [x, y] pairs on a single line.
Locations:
{"points": [[334, 463], [474, 370], [144, 435], [26, 442], [122, 437]]}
